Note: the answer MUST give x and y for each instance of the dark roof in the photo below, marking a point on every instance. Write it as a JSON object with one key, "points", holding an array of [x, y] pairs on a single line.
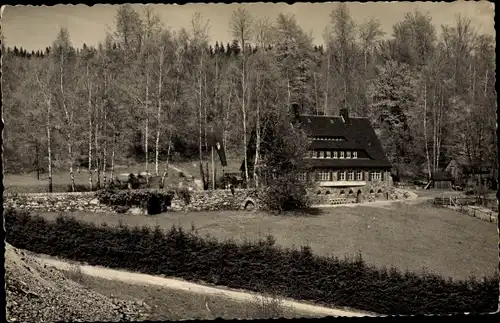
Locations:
{"points": [[441, 176], [359, 135]]}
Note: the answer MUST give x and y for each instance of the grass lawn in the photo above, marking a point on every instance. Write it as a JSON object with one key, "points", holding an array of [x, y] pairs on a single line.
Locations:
{"points": [[409, 237], [170, 304]]}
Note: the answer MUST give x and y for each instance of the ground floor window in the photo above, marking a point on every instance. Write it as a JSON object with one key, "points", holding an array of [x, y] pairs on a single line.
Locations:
{"points": [[323, 175], [302, 177], [376, 176]]}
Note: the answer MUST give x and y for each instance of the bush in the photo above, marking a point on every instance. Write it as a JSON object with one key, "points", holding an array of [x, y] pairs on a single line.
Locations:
{"points": [[254, 266], [121, 200], [285, 193]]}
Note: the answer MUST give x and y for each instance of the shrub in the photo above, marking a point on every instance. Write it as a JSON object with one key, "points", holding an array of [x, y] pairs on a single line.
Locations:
{"points": [[257, 266], [154, 201]]}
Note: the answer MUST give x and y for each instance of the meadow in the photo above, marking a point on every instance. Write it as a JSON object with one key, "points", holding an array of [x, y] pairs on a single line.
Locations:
{"points": [[419, 238]]}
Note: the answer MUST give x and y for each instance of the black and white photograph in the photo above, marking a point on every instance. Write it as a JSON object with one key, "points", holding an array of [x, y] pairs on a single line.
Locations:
{"points": [[167, 162]]}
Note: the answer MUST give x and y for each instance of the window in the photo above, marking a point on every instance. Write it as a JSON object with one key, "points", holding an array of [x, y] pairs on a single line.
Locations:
{"points": [[335, 154], [328, 154], [317, 153], [323, 175], [376, 176], [359, 175], [354, 154], [350, 176], [348, 153], [341, 154], [342, 175], [302, 177], [321, 154]]}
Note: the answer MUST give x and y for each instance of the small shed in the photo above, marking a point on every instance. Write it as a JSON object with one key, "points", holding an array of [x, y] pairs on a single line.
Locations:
{"points": [[441, 180], [456, 170]]}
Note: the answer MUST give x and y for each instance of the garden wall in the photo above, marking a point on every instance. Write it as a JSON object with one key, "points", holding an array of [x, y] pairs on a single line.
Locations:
{"points": [[87, 201], [216, 200], [55, 202]]}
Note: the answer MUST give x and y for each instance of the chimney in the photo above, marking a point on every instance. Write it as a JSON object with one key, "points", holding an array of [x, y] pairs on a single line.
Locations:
{"points": [[344, 113]]}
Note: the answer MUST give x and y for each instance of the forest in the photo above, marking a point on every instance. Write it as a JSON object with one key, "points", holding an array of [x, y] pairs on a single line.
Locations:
{"points": [[148, 94]]}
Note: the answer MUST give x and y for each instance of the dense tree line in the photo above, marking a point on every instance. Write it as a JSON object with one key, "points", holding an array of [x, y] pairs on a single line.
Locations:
{"points": [[150, 94]]}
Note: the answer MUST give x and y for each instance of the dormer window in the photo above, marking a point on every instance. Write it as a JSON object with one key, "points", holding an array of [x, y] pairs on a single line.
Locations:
{"points": [[354, 154], [335, 155], [348, 153], [341, 155], [328, 154]]}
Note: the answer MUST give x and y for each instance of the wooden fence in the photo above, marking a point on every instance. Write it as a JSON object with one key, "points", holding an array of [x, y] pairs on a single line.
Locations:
{"points": [[484, 209]]}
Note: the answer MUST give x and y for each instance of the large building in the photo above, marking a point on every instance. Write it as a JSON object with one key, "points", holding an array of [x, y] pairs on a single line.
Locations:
{"points": [[346, 157]]}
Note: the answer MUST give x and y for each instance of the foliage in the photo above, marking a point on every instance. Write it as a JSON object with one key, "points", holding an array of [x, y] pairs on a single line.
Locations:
{"points": [[254, 266], [283, 162], [176, 87], [154, 201]]}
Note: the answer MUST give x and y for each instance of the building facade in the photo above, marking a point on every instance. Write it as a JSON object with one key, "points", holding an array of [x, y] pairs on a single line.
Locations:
{"points": [[346, 158]]}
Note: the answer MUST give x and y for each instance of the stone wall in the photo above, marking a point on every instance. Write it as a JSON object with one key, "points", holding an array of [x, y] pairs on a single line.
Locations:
{"points": [[55, 202], [216, 200], [68, 202], [372, 191]]}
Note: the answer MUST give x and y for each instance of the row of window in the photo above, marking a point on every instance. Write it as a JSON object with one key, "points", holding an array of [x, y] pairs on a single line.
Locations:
{"points": [[358, 175], [333, 154], [330, 138]]}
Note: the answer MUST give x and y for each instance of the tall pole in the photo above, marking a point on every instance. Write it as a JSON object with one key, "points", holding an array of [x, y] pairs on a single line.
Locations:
{"points": [[213, 169]]}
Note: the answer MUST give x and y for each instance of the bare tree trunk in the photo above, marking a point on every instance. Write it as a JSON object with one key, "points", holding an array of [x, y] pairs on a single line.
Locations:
{"points": [[224, 133], [97, 150], [69, 119], [146, 135], [49, 146], [200, 132], [105, 148], [439, 131], [327, 80], [425, 133], [165, 172], [257, 147], [70, 153], [91, 185], [243, 110], [111, 175], [434, 131], [157, 144]]}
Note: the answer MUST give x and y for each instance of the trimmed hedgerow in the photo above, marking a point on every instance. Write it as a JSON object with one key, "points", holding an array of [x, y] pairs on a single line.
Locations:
{"points": [[154, 201], [253, 266]]}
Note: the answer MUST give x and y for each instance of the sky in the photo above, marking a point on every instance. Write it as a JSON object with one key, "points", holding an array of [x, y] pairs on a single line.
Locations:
{"points": [[36, 27]]}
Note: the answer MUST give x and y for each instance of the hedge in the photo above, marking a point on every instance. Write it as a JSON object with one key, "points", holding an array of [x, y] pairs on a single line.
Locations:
{"points": [[256, 266], [155, 201]]}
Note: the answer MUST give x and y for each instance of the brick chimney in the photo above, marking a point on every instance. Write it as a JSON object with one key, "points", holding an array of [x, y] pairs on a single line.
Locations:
{"points": [[344, 113]]}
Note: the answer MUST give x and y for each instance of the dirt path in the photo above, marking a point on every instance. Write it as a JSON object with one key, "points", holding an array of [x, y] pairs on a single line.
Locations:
{"points": [[143, 279]]}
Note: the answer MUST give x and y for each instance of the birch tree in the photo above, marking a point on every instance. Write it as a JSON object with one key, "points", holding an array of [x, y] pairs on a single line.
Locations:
{"points": [[63, 55], [241, 26]]}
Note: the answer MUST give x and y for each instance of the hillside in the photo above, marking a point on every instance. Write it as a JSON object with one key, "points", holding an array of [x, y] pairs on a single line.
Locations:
{"points": [[37, 293]]}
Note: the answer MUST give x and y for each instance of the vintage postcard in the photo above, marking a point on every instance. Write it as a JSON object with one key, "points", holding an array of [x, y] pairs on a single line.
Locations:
{"points": [[249, 161]]}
